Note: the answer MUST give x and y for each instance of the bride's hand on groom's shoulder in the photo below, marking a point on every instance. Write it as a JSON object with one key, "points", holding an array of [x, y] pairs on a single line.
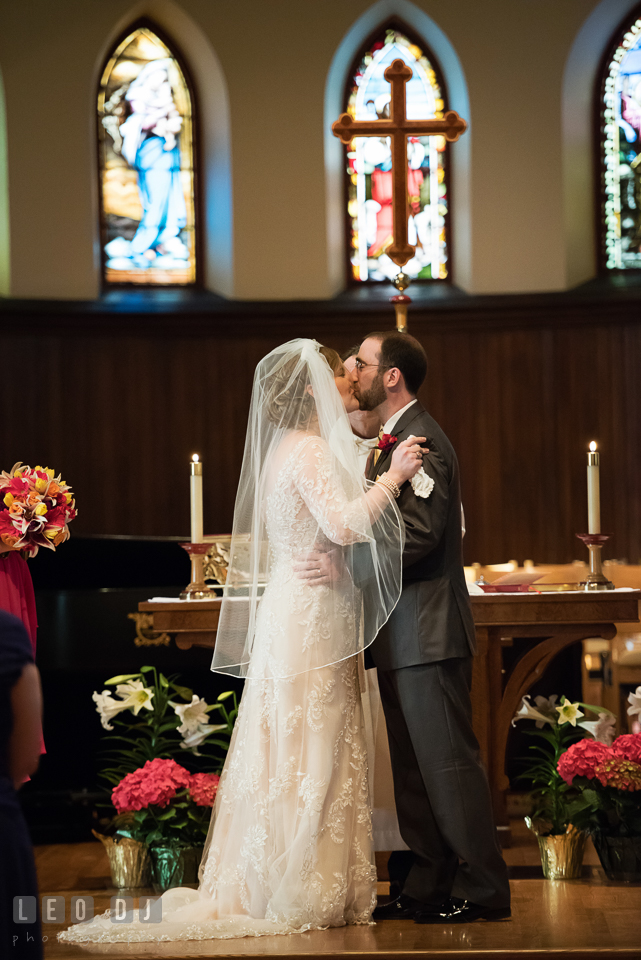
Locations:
{"points": [[320, 568]]}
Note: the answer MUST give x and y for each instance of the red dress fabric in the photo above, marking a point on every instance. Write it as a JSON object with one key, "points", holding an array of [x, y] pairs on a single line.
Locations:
{"points": [[16, 592], [17, 597]]}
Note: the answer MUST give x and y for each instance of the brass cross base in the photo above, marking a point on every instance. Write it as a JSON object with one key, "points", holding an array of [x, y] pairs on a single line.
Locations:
{"points": [[595, 580], [197, 589], [401, 281]]}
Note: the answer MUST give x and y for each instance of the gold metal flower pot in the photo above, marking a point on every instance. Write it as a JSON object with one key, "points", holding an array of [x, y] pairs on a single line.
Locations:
{"points": [[561, 854], [128, 860]]}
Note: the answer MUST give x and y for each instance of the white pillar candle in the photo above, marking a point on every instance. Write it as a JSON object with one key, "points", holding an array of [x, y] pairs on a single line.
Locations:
{"points": [[196, 499], [594, 492]]}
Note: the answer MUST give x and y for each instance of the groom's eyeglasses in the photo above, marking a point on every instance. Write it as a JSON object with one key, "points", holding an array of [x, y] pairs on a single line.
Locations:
{"points": [[360, 364]]}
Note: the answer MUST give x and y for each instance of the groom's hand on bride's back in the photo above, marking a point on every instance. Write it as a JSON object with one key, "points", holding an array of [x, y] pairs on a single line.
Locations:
{"points": [[320, 568]]}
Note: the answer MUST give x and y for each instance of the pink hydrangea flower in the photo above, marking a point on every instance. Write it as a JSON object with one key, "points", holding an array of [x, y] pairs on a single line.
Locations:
{"points": [[628, 746], [582, 759], [203, 788], [156, 783]]}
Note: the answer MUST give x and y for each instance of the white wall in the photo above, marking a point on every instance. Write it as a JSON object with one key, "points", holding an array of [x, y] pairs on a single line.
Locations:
{"points": [[264, 72]]}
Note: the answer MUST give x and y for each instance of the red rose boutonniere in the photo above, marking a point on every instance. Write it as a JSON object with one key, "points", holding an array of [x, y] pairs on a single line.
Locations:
{"points": [[386, 442]]}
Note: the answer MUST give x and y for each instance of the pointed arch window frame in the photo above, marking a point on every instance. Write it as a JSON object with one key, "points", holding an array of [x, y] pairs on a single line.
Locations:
{"points": [[600, 147], [177, 54], [396, 23]]}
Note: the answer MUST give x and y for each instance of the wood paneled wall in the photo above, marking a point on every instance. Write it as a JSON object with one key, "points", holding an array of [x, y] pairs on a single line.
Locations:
{"points": [[119, 400]]}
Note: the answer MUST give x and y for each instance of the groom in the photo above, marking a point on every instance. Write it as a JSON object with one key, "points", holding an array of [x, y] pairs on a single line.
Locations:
{"points": [[424, 660]]}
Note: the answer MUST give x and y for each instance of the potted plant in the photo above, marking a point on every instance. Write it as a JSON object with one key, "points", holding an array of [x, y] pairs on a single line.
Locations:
{"points": [[558, 815], [608, 780], [168, 809], [149, 717]]}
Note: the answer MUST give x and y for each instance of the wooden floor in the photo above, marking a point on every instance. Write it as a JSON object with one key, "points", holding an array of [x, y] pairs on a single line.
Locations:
{"points": [[570, 920]]}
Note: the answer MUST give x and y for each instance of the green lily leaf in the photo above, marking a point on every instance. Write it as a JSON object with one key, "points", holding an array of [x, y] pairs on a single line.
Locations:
{"points": [[121, 678], [595, 709], [170, 725]]}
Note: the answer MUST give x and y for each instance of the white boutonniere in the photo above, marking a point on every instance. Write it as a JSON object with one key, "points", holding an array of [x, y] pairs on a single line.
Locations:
{"points": [[422, 484]]}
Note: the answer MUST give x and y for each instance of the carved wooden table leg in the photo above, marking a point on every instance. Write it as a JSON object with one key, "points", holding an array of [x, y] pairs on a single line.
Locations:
{"points": [[480, 695], [524, 674]]}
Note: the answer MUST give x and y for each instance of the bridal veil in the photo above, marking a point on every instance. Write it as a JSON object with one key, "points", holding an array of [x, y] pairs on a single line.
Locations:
{"points": [[295, 403]]}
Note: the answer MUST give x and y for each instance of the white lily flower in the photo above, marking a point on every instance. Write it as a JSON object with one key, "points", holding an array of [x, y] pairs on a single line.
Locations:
{"points": [[107, 707], [192, 714], [569, 713], [635, 703], [603, 729], [527, 712], [193, 738], [547, 705], [135, 696]]}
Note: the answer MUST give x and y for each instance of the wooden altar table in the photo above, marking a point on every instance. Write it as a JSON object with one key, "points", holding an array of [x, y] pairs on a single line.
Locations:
{"points": [[549, 621]]}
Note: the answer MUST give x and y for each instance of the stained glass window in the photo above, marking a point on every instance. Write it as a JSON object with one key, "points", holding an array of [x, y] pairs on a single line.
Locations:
{"points": [[146, 165], [621, 153], [369, 159]]}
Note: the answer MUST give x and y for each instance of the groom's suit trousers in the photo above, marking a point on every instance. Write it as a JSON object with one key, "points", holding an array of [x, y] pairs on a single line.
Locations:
{"points": [[440, 787]]}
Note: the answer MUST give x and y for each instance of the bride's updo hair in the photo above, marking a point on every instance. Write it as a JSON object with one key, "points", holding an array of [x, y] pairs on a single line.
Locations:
{"points": [[288, 402], [334, 361]]}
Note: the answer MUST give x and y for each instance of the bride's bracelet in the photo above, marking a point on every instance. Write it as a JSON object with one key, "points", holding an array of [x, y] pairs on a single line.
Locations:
{"points": [[393, 488]]}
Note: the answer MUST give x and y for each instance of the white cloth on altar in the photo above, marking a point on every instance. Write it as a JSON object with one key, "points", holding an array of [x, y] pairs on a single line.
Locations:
{"points": [[387, 835], [384, 820]]}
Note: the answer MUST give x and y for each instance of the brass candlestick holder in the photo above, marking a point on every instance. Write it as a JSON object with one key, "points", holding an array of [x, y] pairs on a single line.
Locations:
{"points": [[595, 580], [197, 589]]}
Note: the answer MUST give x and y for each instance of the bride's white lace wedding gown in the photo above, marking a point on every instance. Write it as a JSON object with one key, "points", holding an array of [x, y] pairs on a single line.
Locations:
{"points": [[291, 843]]}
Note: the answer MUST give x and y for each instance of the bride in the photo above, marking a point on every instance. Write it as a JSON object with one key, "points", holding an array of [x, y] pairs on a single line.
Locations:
{"points": [[290, 843]]}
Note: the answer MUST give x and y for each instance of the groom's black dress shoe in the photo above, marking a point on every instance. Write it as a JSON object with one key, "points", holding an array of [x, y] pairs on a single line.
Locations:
{"points": [[403, 908], [456, 910]]}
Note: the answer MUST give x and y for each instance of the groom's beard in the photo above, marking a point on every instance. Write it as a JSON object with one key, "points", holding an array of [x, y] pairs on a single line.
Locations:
{"points": [[372, 398]]}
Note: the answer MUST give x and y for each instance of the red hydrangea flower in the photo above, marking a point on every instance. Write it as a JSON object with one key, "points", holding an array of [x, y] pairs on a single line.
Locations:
{"points": [[619, 774], [156, 783], [628, 746], [582, 759], [203, 788]]}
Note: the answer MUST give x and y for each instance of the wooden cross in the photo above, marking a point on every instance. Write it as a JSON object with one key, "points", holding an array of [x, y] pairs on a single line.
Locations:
{"points": [[399, 128]]}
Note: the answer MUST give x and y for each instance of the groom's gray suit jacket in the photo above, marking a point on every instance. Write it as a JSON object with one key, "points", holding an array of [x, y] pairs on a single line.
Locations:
{"points": [[433, 619]]}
